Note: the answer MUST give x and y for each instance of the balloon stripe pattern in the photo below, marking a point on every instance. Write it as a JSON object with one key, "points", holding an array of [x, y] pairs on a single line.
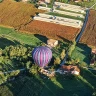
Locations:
{"points": [[42, 55]]}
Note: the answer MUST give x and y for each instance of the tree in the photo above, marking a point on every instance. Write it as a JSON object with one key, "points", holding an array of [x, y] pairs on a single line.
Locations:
{"points": [[0, 51], [28, 64], [57, 61], [72, 47], [33, 69], [77, 60], [62, 54]]}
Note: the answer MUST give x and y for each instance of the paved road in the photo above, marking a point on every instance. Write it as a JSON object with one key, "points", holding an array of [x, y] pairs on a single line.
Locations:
{"points": [[78, 37], [83, 27]]}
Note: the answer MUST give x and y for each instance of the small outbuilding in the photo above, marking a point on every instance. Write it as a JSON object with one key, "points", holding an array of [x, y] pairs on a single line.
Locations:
{"points": [[52, 42], [93, 51]]}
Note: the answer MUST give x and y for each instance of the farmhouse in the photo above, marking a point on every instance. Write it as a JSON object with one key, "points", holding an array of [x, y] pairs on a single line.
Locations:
{"points": [[93, 51], [71, 69]]}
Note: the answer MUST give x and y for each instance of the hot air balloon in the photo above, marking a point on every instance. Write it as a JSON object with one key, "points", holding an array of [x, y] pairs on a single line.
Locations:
{"points": [[42, 55]]}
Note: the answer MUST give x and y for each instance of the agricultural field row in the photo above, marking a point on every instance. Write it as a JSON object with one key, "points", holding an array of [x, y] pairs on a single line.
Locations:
{"points": [[65, 13], [89, 35], [85, 3]]}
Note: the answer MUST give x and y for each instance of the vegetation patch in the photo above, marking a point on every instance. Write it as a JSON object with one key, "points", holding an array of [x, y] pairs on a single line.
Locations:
{"points": [[82, 53]]}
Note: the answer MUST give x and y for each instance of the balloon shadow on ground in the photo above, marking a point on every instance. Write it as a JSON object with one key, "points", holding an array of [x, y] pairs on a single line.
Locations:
{"points": [[42, 38]]}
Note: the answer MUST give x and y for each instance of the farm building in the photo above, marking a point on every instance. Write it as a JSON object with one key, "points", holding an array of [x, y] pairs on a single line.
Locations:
{"points": [[70, 69], [52, 42], [93, 51]]}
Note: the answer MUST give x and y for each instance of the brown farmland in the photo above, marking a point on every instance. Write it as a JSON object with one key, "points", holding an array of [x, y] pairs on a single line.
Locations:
{"points": [[51, 30], [18, 15], [15, 14], [89, 35]]}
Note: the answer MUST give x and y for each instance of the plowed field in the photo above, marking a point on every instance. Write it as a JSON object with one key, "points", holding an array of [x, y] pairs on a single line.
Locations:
{"points": [[89, 35], [51, 30], [15, 14]]}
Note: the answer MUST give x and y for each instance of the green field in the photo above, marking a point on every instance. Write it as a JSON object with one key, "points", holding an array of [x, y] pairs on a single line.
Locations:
{"points": [[60, 85], [40, 85], [15, 37], [82, 52]]}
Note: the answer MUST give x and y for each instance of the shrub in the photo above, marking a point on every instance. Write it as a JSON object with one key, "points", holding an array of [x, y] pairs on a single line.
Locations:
{"points": [[33, 69], [83, 65], [72, 47], [57, 61], [1, 1], [62, 54]]}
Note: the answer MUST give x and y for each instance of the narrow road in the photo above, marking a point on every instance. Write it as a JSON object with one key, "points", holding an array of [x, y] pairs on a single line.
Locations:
{"points": [[83, 27], [79, 36], [12, 71]]}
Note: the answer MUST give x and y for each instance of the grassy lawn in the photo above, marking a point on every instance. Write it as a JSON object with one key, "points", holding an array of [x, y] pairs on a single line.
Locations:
{"points": [[21, 38], [82, 52]]}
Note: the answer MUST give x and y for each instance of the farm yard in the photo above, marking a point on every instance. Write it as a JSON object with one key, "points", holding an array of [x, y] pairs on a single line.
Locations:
{"points": [[89, 35]]}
